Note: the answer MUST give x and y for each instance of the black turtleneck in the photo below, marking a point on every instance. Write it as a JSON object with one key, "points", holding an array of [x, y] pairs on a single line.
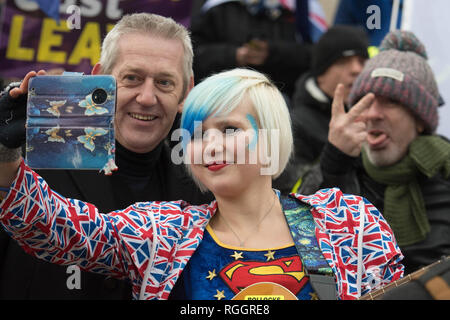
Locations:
{"points": [[136, 164], [139, 176], [152, 176]]}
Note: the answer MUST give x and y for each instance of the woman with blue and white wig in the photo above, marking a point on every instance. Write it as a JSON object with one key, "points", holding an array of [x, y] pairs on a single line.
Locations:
{"points": [[251, 241]]}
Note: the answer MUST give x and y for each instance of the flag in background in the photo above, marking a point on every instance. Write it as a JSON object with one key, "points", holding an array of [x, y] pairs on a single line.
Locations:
{"points": [[50, 8], [317, 21], [309, 14], [288, 4], [310, 20]]}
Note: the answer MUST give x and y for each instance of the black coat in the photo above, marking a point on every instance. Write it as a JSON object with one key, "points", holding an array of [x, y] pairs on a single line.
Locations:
{"points": [[217, 34], [141, 177]]}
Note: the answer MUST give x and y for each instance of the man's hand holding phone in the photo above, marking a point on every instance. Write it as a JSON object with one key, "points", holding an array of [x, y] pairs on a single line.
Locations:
{"points": [[13, 108]]}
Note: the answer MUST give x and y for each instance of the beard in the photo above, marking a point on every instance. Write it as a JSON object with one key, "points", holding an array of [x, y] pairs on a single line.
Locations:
{"points": [[384, 157]]}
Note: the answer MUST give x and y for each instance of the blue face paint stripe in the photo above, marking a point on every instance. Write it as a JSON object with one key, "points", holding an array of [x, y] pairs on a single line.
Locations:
{"points": [[213, 96], [252, 120]]}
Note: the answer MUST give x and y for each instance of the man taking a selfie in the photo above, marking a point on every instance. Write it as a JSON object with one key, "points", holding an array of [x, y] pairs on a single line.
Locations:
{"points": [[151, 58]]}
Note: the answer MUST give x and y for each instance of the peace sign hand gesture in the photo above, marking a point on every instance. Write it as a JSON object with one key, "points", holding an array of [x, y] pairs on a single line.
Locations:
{"points": [[347, 130]]}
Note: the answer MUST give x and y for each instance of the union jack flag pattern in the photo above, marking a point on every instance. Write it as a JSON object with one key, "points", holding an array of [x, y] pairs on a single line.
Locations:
{"points": [[337, 220], [162, 236]]}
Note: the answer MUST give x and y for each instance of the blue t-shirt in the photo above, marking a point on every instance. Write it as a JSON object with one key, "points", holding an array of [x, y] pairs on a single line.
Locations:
{"points": [[217, 271]]}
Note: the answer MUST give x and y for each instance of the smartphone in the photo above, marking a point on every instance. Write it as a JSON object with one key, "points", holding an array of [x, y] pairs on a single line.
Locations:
{"points": [[70, 122]]}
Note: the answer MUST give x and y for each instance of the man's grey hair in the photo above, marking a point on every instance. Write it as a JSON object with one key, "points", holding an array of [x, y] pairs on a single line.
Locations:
{"points": [[151, 24]]}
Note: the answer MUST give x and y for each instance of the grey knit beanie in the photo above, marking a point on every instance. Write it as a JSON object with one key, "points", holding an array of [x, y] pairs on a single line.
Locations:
{"points": [[401, 72]]}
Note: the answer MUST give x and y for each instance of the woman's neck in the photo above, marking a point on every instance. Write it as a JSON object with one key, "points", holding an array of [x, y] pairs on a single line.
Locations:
{"points": [[247, 206], [252, 219]]}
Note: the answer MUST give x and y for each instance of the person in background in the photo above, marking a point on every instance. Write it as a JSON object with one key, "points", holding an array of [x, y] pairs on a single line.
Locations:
{"points": [[151, 58], [338, 57], [243, 33], [385, 148]]}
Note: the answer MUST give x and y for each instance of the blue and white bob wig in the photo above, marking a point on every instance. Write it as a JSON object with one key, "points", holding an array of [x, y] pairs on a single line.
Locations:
{"points": [[221, 93]]}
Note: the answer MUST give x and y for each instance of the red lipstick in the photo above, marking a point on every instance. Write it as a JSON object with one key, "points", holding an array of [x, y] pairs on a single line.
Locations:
{"points": [[216, 167]]}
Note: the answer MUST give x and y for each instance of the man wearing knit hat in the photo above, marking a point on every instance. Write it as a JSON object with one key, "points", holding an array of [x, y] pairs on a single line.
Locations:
{"points": [[385, 148], [338, 57]]}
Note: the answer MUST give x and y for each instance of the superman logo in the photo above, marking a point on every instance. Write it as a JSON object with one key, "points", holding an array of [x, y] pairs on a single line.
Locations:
{"points": [[287, 271]]}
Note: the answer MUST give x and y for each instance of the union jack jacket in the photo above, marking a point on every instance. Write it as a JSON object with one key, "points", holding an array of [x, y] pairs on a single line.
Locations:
{"points": [[151, 242]]}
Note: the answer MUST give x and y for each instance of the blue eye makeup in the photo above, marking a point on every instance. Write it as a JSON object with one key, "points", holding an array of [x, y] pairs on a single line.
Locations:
{"points": [[252, 121]]}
